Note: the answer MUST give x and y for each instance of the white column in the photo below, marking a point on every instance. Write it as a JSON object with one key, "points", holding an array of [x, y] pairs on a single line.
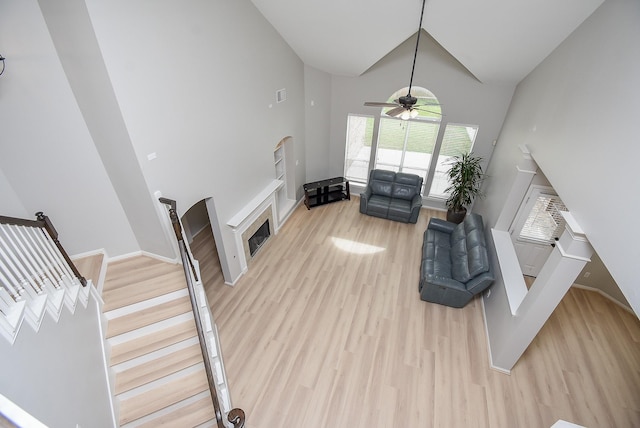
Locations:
{"points": [[563, 266], [527, 169]]}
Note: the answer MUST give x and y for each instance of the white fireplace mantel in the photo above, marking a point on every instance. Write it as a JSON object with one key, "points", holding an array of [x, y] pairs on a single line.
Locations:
{"points": [[243, 215], [255, 208]]}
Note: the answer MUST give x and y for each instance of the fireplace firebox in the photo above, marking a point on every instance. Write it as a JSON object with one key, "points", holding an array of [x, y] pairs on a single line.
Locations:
{"points": [[259, 238]]}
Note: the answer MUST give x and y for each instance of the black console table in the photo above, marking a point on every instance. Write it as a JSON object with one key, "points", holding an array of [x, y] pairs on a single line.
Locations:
{"points": [[326, 191]]}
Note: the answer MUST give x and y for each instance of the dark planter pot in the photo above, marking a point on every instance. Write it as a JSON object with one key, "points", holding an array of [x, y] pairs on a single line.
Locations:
{"points": [[456, 216]]}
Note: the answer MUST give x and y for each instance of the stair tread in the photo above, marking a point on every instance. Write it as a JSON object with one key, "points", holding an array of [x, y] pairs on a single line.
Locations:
{"points": [[158, 368], [165, 395], [148, 316], [123, 274], [141, 290], [191, 415], [90, 267], [152, 342]]}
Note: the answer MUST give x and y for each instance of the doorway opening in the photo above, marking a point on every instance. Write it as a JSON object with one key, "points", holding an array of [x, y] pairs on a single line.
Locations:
{"points": [[199, 234]]}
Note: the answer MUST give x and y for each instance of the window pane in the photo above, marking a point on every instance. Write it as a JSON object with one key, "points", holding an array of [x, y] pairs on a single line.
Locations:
{"points": [[420, 144], [391, 138], [358, 151], [457, 140], [406, 146]]}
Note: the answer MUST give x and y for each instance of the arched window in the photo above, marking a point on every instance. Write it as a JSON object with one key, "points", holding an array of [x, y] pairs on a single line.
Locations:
{"points": [[427, 106]]}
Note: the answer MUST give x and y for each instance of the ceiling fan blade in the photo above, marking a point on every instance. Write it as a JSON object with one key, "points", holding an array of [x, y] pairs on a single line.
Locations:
{"points": [[396, 111], [421, 108], [432, 112], [376, 104]]}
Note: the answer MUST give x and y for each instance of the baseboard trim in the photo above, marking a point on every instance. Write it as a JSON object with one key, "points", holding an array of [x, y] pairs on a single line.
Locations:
{"points": [[142, 253], [605, 295], [99, 251], [235, 281]]}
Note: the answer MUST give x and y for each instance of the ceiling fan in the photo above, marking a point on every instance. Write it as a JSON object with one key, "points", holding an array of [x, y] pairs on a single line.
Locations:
{"points": [[405, 106]]}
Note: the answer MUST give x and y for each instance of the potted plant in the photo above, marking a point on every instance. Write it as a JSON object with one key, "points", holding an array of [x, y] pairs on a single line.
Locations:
{"points": [[465, 176]]}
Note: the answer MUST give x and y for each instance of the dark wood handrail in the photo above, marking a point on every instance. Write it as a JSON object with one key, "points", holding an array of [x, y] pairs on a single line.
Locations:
{"points": [[43, 222], [236, 416], [177, 228]]}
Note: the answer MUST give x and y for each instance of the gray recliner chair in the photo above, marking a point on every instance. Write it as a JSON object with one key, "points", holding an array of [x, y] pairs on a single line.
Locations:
{"points": [[392, 195], [455, 263]]}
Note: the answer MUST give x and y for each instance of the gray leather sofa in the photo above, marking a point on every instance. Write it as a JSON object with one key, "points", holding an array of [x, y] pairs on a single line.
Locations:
{"points": [[392, 195], [455, 262]]}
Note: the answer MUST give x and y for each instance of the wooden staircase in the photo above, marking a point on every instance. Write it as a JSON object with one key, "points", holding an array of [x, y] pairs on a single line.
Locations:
{"points": [[159, 376]]}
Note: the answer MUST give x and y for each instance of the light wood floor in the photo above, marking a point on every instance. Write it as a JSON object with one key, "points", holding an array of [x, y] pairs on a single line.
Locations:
{"points": [[316, 336]]}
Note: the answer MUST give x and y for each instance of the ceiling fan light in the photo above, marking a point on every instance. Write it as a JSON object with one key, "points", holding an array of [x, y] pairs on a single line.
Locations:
{"points": [[406, 115], [414, 113]]}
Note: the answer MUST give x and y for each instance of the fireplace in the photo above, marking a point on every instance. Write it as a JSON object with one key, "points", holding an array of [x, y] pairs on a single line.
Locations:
{"points": [[260, 212], [258, 238], [257, 233]]}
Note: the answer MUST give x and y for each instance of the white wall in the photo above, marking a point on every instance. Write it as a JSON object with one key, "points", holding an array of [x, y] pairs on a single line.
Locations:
{"points": [[73, 36], [58, 374], [196, 83], [577, 113], [46, 152], [464, 99], [11, 204], [317, 89]]}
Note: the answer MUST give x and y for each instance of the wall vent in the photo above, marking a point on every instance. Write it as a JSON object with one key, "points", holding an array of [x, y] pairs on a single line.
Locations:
{"points": [[281, 95]]}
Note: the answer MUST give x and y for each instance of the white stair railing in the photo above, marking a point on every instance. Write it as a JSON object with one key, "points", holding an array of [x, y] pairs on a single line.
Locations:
{"points": [[36, 275]]}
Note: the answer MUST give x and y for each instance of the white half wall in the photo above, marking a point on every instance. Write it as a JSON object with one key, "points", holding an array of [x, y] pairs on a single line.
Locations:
{"points": [[58, 374]]}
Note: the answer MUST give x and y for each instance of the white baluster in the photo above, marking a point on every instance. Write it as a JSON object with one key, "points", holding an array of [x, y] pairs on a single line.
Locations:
{"points": [[26, 234], [26, 258], [13, 262]]}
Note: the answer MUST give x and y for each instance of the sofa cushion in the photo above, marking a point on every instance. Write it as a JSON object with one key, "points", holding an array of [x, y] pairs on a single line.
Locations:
{"points": [[381, 188], [435, 253], [458, 233], [378, 206], [406, 186], [399, 208], [459, 261], [477, 261], [381, 182], [468, 249]]}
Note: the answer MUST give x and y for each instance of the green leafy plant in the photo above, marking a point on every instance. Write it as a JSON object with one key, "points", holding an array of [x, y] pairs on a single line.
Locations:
{"points": [[465, 176]]}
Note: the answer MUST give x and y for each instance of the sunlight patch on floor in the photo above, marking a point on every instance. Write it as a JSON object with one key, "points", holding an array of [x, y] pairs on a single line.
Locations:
{"points": [[355, 247]]}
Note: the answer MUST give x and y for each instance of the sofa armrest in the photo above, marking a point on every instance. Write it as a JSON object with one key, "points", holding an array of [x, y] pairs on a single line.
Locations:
{"points": [[441, 225], [480, 283], [416, 204], [364, 199]]}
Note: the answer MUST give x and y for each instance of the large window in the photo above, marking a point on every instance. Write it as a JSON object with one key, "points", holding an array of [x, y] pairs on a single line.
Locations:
{"points": [[410, 145]]}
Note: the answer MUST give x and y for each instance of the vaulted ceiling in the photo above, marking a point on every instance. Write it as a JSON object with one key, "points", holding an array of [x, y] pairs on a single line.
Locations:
{"points": [[496, 40]]}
